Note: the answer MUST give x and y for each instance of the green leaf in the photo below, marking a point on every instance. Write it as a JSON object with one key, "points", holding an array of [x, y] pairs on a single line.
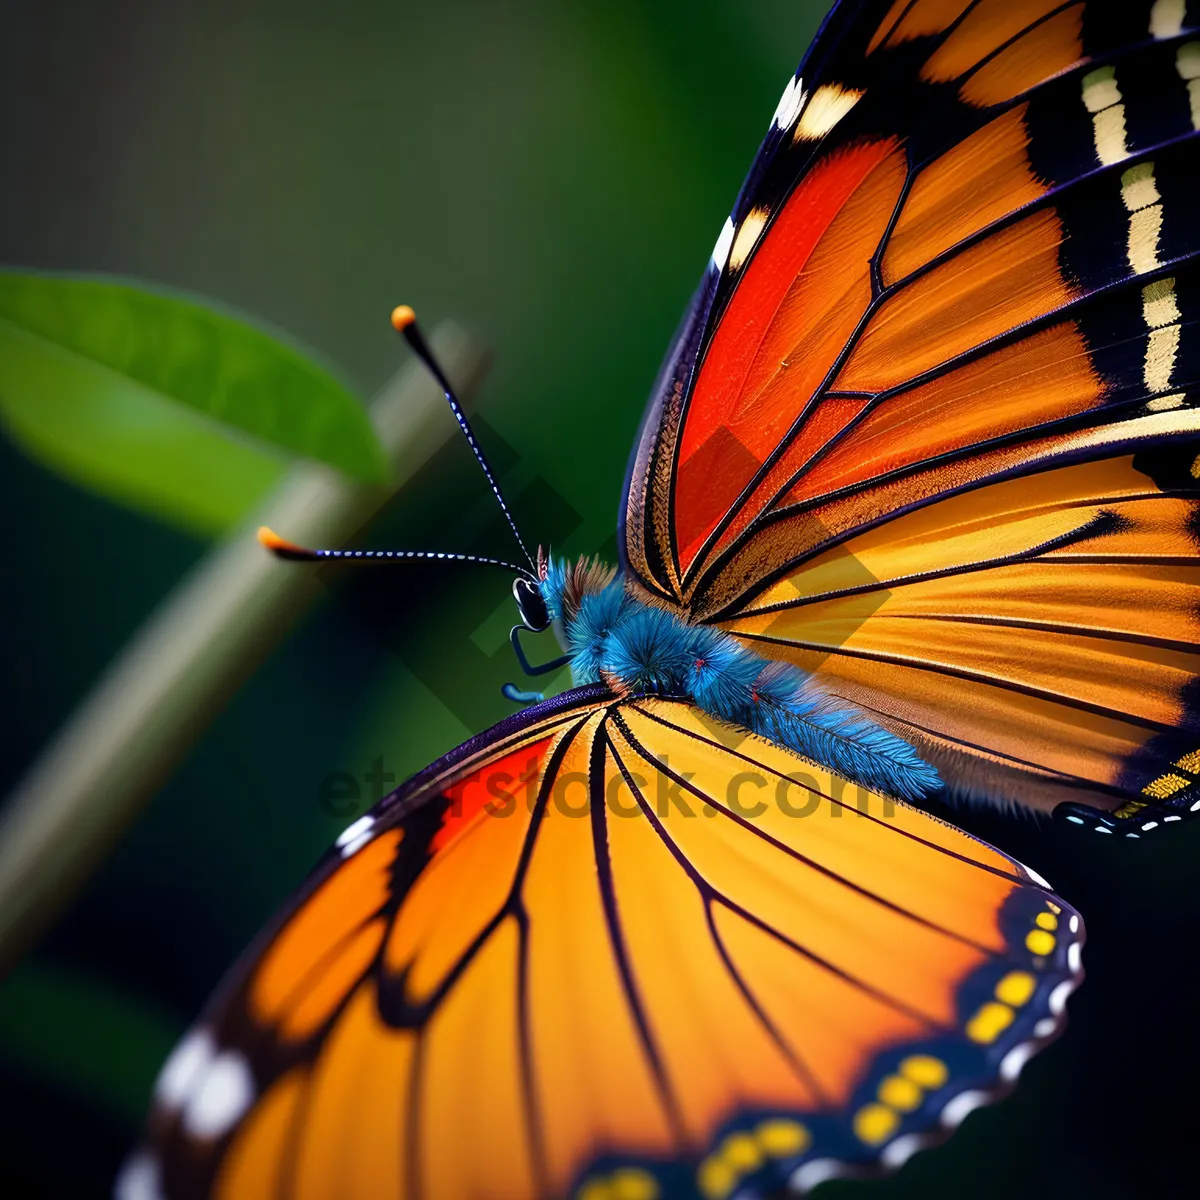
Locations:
{"points": [[114, 437], [120, 337]]}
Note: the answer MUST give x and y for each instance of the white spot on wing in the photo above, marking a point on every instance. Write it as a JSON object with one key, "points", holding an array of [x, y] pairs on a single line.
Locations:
{"points": [[1057, 1001], [790, 103], [1045, 1027], [355, 836], [962, 1104], [355, 829], [188, 1062], [1074, 957], [721, 250], [901, 1150], [805, 1178], [352, 848], [140, 1179], [220, 1098], [1013, 1063]]}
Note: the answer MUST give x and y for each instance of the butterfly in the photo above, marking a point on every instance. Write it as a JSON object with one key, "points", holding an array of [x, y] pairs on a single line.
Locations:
{"points": [[913, 513]]}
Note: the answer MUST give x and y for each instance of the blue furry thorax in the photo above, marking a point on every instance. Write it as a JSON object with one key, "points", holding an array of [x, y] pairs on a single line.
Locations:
{"points": [[615, 637]]}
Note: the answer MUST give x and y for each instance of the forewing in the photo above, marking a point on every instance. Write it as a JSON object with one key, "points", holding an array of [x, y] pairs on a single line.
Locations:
{"points": [[936, 436]]}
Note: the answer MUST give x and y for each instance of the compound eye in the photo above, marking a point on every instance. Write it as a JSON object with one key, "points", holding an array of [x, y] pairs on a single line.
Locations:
{"points": [[530, 606]]}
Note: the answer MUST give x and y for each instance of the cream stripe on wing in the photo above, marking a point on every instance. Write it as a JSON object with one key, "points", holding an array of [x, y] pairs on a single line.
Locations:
{"points": [[1166, 18], [1139, 192], [1160, 307], [1187, 63], [1162, 315], [1102, 98]]}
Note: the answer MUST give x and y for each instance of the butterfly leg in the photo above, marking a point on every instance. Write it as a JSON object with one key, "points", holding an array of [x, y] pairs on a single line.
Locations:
{"points": [[543, 668]]}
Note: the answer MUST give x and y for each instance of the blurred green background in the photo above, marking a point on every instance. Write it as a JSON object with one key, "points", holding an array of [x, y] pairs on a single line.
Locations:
{"points": [[552, 175]]}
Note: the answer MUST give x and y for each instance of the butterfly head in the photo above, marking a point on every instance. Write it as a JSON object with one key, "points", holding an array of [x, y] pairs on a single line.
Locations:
{"points": [[531, 605]]}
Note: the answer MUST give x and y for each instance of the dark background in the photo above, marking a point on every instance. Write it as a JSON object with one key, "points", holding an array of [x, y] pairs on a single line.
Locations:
{"points": [[553, 175]]}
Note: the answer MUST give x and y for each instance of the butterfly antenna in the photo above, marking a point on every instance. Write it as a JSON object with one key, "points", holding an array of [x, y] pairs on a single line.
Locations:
{"points": [[404, 321], [282, 548]]}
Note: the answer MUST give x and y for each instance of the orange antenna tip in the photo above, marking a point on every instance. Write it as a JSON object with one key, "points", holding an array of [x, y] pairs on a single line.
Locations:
{"points": [[402, 317], [269, 538]]}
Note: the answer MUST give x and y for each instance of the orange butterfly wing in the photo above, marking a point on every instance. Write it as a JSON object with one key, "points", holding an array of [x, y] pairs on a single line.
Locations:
{"points": [[928, 430], [611, 949]]}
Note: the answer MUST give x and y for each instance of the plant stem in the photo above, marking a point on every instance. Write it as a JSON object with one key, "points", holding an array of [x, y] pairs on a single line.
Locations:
{"points": [[188, 658]]}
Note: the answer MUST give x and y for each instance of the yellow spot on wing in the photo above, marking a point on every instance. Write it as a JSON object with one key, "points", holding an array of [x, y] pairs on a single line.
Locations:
{"points": [[716, 1178], [1165, 785], [1046, 920], [990, 1021], [1038, 941], [741, 1152], [1130, 807], [1016, 988], [899, 1093], [632, 1183], [925, 1070], [626, 1183], [1190, 761], [875, 1123], [782, 1138]]}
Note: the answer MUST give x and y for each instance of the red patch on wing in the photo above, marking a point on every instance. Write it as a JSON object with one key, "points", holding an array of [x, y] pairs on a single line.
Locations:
{"points": [[496, 787], [708, 484]]}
